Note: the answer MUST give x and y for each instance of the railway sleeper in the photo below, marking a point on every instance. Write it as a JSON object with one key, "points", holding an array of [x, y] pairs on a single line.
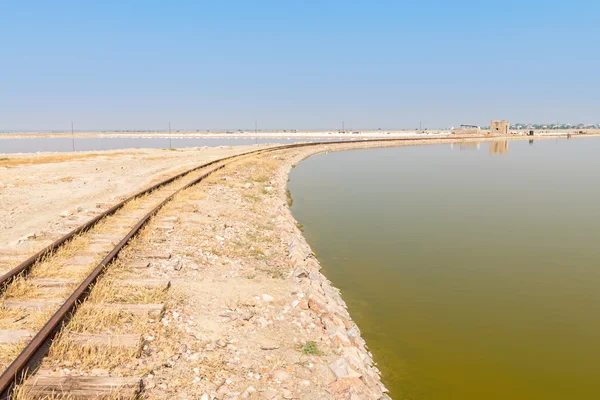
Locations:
{"points": [[42, 386], [158, 255], [52, 282], [83, 260], [147, 283], [8, 336], [138, 264], [35, 305], [154, 311], [124, 341]]}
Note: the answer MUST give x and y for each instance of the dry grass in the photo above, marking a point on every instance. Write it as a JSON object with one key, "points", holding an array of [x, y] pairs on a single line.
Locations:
{"points": [[17, 318], [66, 349], [22, 393], [106, 291], [92, 319], [10, 351], [52, 265], [20, 288]]}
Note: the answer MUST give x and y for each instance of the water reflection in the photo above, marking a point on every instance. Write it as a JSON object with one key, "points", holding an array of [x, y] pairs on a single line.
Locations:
{"points": [[467, 146], [496, 147], [500, 147]]}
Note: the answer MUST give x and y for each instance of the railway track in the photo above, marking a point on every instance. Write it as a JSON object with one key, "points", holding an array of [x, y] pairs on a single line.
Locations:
{"points": [[41, 295]]}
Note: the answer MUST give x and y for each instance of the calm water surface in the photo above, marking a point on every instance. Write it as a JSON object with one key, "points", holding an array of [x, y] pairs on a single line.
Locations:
{"points": [[473, 272]]}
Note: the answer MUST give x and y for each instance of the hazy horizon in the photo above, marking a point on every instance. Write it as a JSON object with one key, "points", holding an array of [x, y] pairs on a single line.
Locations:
{"points": [[305, 66]]}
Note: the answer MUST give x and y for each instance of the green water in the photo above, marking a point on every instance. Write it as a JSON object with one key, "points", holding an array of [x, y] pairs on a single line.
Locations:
{"points": [[472, 275]]}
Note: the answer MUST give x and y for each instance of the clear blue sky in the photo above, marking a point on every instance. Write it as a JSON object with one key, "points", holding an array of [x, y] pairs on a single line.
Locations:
{"points": [[302, 64]]}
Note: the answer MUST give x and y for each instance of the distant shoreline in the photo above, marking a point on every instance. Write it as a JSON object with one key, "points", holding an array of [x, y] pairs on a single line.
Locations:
{"points": [[367, 134]]}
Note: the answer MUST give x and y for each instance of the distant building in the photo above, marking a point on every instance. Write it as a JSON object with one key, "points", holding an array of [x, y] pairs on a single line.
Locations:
{"points": [[499, 127]]}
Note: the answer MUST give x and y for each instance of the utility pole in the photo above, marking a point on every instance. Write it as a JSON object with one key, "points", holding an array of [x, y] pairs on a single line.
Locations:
{"points": [[420, 125]]}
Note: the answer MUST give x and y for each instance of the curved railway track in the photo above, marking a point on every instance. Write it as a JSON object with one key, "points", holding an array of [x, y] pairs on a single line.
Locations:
{"points": [[82, 256]]}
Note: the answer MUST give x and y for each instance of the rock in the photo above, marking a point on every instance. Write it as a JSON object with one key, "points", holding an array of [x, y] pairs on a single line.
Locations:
{"points": [[303, 304], [340, 339], [267, 298], [268, 189], [222, 389], [342, 370], [269, 346], [300, 272], [251, 302], [178, 265], [270, 394], [281, 375], [316, 306], [248, 185], [149, 384]]}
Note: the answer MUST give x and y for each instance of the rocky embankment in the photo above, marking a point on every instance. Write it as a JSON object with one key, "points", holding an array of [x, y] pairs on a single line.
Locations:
{"points": [[356, 376]]}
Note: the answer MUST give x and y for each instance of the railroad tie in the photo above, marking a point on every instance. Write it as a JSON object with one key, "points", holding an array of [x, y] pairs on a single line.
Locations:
{"points": [[106, 238], [165, 227], [102, 247], [189, 208], [126, 341], [170, 219], [81, 387], [15, 335], [142, 310], [33, 304], [158, 255], [51, 282], [118, 225], [80, 261], [147, 283], [138, 264]]}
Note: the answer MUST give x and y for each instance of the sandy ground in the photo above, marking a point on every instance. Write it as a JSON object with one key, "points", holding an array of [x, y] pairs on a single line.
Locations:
{"points": [[45, 195]]}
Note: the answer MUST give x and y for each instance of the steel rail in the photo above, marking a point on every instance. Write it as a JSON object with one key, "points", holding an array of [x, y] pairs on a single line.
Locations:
{"points": [[37, 348]]}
